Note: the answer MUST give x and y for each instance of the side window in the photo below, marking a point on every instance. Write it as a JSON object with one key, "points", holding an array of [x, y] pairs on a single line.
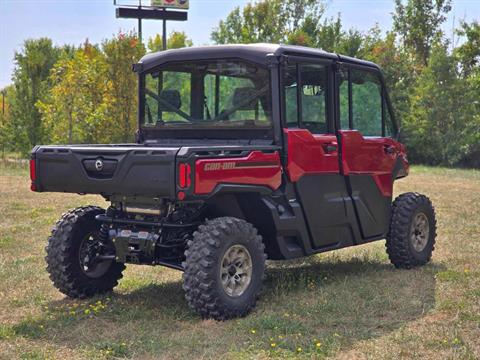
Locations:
{"points": [[290, 86], [366, 102], [305, 87], [313, 79], [362, 104]]}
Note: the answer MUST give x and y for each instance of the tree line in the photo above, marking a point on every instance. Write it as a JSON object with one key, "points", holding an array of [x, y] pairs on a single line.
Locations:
{"points": [[67, 94], [87, 94]]}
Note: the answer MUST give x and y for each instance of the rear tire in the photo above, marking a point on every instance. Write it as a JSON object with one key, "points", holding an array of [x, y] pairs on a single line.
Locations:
{"points": [[64, 253], [411, 237], [224, 268]]}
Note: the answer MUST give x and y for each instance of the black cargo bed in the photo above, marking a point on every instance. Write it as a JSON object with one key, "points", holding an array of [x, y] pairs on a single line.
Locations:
{"points": [[106, 169]]}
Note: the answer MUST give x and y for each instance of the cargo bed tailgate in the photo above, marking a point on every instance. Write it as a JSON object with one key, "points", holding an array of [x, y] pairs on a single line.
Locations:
{"points": [[106, 170]]}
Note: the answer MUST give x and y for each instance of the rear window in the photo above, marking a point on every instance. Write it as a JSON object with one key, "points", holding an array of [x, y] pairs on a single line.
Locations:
{"points": [[207, 94]]}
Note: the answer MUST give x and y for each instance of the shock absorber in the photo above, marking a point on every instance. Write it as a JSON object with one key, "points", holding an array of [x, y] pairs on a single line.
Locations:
{"points": [[104, 229]]}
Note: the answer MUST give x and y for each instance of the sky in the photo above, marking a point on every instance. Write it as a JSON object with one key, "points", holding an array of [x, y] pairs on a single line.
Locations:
{"points": [[72, 21]]}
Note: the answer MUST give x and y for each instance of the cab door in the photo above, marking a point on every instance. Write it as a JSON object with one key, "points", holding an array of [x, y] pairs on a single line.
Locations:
{"points": [[368, 152], [312, 151]]}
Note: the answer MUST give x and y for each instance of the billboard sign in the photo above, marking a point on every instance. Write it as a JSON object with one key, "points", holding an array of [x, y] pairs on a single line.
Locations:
{"points": [[176, 4]]}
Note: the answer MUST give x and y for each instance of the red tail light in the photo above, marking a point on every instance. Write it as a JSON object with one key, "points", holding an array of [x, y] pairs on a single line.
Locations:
{"points": [[33, 175], [184, 172]]}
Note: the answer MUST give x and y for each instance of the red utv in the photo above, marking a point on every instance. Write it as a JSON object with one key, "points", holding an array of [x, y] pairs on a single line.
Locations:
{"points": [[243, 153]]}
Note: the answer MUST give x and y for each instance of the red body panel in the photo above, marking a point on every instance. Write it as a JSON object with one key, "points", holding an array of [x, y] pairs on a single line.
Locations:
{"points": [[257, 168], [307, 153], [372, 155]]}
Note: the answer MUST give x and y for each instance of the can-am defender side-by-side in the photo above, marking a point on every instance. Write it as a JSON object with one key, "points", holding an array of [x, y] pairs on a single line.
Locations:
{"points": [[243, 153]]}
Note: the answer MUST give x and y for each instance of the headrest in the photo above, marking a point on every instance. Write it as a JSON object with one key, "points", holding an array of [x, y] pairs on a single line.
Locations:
{"points": [[242, 94], [172, 97]]}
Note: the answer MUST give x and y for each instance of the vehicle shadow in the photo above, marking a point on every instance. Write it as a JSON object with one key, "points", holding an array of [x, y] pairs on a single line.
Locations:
{"points": [[354, 299]]}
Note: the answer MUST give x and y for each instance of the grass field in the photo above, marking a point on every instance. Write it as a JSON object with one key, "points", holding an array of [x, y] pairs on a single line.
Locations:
{"points": [[348, 304]]}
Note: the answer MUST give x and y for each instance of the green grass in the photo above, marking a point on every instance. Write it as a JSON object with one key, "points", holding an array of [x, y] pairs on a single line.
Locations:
{"points": [[346, 304]]}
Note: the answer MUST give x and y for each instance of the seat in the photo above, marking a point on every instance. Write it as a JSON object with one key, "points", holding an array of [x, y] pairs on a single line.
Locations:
{"points": [[172, 97], [241, 94]]}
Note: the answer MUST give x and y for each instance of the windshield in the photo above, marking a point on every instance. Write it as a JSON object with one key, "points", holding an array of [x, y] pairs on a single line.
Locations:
{"points": [[206, 94]]}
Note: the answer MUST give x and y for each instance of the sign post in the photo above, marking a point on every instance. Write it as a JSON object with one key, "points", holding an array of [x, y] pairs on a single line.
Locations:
{"points": [[157, 10]]}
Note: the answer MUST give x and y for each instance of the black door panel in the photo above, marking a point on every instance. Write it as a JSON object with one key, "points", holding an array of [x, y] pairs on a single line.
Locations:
{"points": [[324, 199], [373, 209]]}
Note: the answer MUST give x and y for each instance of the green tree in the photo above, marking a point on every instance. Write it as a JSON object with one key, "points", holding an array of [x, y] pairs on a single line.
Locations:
{"points": [[176, 40], [397, 67], [328, 35], [292, 22], [418, 23], [266, 21], [440, 126], [94, 92], [468, 57], [120, 53], [7, 130], [76, 109], [468, 53], [30, 80]]}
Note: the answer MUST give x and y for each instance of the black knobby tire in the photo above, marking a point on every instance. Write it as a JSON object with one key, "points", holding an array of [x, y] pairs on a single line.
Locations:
{"points": [[63, 260], [202, 277], [400, 245]]}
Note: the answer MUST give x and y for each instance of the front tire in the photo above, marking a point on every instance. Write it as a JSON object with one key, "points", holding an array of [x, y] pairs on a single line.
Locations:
{"points": [[411, 237], [224, 268], [73, 236]]}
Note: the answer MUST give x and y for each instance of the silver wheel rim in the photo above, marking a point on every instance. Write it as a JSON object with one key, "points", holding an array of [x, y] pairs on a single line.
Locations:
{"points": [[236, 270], [419, 232]]}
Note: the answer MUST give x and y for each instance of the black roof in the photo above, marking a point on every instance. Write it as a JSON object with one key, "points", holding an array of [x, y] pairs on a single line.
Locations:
{"points": [[258, 53]]}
